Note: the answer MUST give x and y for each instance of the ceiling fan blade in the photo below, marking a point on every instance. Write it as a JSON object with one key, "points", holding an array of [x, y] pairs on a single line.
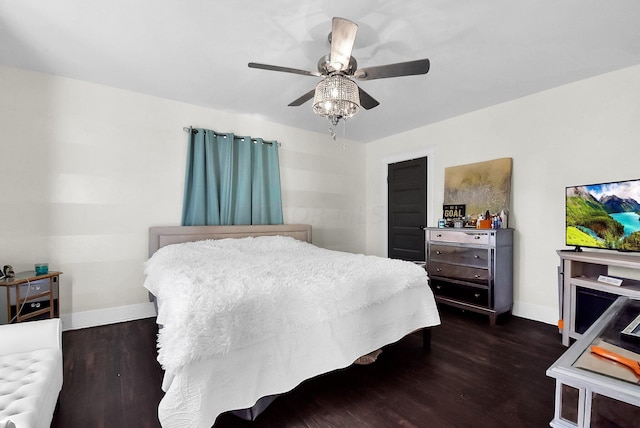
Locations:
{"points": [[284, 69], [343, 36], [409, 68], [303, 99], [367, 101]]}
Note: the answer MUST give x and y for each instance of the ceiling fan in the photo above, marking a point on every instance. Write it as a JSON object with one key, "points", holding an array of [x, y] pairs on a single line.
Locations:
{"points": [[337, 96]]}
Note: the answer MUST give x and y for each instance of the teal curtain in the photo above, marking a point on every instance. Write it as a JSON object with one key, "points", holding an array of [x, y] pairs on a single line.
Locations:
{"points": [[231, 180]]}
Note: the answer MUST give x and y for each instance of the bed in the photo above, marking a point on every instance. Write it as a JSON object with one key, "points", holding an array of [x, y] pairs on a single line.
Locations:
{"points": [[280, 311]]}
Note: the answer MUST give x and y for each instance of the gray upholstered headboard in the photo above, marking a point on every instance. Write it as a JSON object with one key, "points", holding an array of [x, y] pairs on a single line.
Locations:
{"points": [[166, 235]]}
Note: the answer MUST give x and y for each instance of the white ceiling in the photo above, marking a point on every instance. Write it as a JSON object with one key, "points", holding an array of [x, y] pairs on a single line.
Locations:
{"points": [[196, 51]]}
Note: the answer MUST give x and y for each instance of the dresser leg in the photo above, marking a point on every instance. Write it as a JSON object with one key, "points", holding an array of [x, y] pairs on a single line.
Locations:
{"points": [[492, 319]]}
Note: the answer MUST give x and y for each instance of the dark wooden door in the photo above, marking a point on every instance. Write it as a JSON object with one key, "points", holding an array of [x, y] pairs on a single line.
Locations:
{"points": [[407, 190]]}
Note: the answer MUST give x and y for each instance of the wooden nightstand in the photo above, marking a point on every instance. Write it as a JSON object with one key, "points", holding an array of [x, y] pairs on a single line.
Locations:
{"points": [[31, 296]]}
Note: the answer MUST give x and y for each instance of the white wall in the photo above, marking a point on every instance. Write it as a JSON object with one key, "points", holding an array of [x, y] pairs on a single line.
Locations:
{"points": [[87, 169], [580, 133]]}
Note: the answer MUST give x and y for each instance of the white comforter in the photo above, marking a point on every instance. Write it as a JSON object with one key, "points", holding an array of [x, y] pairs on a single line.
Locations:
{"points": [[221, 295]]}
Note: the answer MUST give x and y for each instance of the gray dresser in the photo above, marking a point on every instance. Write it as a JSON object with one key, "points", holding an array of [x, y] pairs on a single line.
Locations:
{"points": [[471, 268]]}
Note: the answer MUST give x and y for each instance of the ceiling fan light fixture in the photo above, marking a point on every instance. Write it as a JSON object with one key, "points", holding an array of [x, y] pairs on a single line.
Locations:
{"points": [[336, 97]]}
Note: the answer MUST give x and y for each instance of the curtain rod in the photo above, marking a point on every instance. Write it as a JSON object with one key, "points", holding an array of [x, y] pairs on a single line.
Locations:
{"points": [[195, 131]]}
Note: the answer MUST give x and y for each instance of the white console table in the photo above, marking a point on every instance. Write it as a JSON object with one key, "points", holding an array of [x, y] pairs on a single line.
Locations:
{"points": [[595, 392], [582, 269]]}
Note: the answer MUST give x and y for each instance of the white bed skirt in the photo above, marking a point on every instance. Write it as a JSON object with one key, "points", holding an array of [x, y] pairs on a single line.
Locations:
{"points": [[197, 393]]}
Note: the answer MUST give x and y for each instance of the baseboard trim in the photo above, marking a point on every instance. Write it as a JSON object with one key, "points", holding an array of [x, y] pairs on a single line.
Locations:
{"points": [[78, 320]]}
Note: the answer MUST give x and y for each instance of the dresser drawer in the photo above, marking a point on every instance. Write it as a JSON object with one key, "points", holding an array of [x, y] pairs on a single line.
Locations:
{"points": [[460, 236], [473, 295], [31, 289], [461, 273], [30, 307], [469, 256]]}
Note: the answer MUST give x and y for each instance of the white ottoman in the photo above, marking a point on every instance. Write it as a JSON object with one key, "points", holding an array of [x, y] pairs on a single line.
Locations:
{"points": [[30, 373]]}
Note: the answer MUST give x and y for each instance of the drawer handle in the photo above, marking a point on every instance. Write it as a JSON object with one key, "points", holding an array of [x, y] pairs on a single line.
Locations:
{"points": [[438, 252], [476, 276], [476, 237], [438, 287], [438, 270], [439, 235], [476, 256], [476, 295]]}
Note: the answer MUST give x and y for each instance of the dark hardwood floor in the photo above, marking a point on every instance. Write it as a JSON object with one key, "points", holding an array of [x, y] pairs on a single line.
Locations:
{"points": [[474, 375]]}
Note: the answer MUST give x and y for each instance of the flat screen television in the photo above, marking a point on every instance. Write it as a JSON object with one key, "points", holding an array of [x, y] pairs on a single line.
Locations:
{"points": [[604, 215]]}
